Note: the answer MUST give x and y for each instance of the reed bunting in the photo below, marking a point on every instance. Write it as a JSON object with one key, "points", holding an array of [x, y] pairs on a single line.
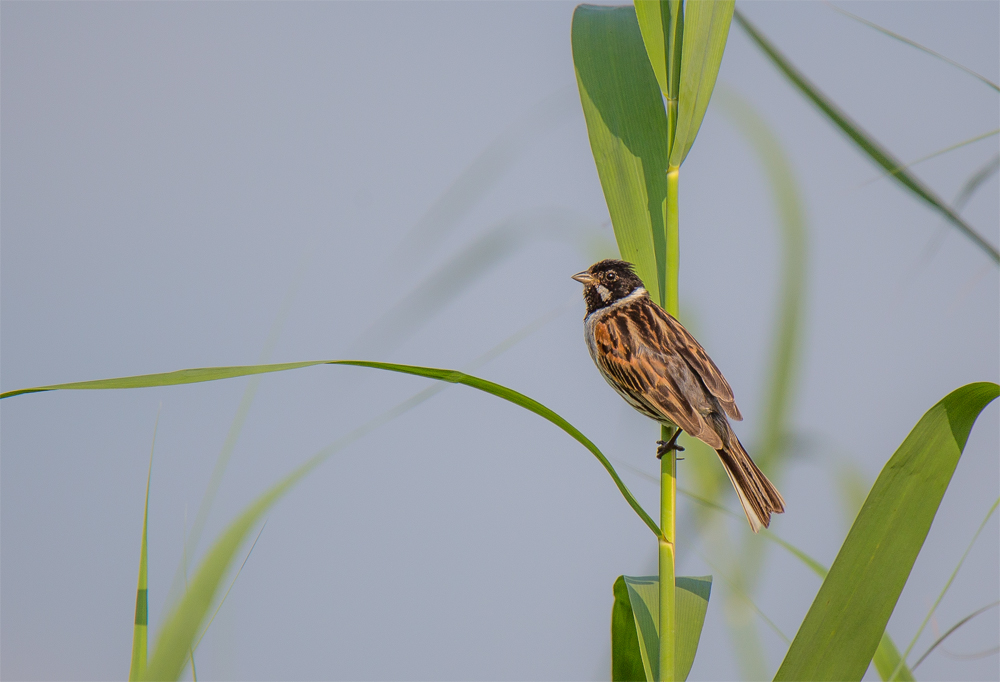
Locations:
{"points": [[658, 367]]}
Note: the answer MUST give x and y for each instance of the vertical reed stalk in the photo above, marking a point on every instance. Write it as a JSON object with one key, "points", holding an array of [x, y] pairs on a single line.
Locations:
{"points": [[668, 505], [668, 464]]}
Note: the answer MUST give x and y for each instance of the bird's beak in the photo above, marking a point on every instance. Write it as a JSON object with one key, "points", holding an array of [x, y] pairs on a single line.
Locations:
{"points": [[584, 277]]}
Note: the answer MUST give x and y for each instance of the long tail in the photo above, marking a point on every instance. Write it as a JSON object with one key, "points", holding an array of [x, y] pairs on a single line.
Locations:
{"points": [[757, 495]]}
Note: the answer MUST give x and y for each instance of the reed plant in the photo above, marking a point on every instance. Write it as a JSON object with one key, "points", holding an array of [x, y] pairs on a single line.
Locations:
{"points": [[646, 75]]}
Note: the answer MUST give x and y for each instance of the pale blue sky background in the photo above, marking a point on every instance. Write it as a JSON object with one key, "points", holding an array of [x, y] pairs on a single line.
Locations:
{"points": [[167, 168]]}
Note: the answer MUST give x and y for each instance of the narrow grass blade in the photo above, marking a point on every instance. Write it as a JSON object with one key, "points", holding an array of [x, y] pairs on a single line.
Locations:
{"points": [[691, 597], [190, 376], [976, 181], [951, 579], [955, 627], [879, 154], [627, 126], [845, 623], [140, 631], [911, 43], [706, 29], [939, 152]]}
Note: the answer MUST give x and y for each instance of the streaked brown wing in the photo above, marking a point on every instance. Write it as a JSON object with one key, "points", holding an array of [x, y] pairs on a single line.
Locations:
{"points": [[674, 338], [655, 383]]}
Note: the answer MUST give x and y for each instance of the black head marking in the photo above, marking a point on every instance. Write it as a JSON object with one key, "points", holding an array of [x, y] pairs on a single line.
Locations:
{"points": [[607, 281]]}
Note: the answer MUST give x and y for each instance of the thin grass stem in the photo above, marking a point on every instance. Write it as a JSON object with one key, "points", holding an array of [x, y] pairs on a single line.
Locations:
{"points": [[944, 590]]}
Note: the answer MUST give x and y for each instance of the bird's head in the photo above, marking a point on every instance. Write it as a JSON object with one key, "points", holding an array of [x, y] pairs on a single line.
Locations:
{"points": [[607, 281]]}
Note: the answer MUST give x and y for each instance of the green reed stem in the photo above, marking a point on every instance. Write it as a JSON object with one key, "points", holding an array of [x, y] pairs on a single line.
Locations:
{"points": [[668, 464], [668, 526]]}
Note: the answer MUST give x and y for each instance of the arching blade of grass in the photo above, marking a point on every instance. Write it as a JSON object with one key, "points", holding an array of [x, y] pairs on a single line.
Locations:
{"points": [[706, 29], [140, 631], [911, 43], [627, 126], [635, 631], [976, 181], [847, 619], [191, 376], [864, 141]]}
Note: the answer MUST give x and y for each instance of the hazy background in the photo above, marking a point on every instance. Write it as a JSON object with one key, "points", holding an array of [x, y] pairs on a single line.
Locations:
{"points": [[170, 171]]}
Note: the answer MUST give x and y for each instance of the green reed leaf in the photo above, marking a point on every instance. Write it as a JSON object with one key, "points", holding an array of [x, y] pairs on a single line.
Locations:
{"points": [[863, 140], [627, 126], [634, 626], [706, 29], [847, 619]]}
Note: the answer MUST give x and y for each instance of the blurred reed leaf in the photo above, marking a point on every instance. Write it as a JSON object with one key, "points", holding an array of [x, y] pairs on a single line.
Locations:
{"points": [[863, 140], [470, 264], [787, 335], [912, 43], [191, 376], [483, 172], [843, 628], [634, 633], [627, 127], [140, 630]]}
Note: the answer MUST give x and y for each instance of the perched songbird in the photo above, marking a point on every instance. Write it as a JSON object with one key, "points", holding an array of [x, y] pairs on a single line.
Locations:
{"points": [[657, 366]]}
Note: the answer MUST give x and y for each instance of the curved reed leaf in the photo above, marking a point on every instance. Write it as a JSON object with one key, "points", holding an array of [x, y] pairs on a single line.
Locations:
{"points": [[706, 29], [862, 139], [191, 376], [847, 619]]}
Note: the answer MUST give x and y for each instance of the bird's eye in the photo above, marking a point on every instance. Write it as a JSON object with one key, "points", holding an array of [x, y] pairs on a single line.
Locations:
{"points": [[611, 277]]}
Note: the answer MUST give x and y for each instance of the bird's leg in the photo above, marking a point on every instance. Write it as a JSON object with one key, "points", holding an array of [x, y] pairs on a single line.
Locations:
{"points": [[666, 446]]}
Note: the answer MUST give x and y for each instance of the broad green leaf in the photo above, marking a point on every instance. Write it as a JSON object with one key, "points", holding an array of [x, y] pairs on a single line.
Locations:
{"points": [[140, 629], [864, 141], [627, 126], [846, 621], [690, 602], [706, 28], [192, 376]]}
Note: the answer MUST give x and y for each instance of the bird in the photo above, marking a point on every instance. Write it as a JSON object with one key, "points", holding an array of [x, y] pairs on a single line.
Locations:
{"points": [[659, 368]]}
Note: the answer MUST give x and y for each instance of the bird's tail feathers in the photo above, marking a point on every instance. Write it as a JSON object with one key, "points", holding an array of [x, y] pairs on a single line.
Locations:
{"points": [[758, 496]]}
